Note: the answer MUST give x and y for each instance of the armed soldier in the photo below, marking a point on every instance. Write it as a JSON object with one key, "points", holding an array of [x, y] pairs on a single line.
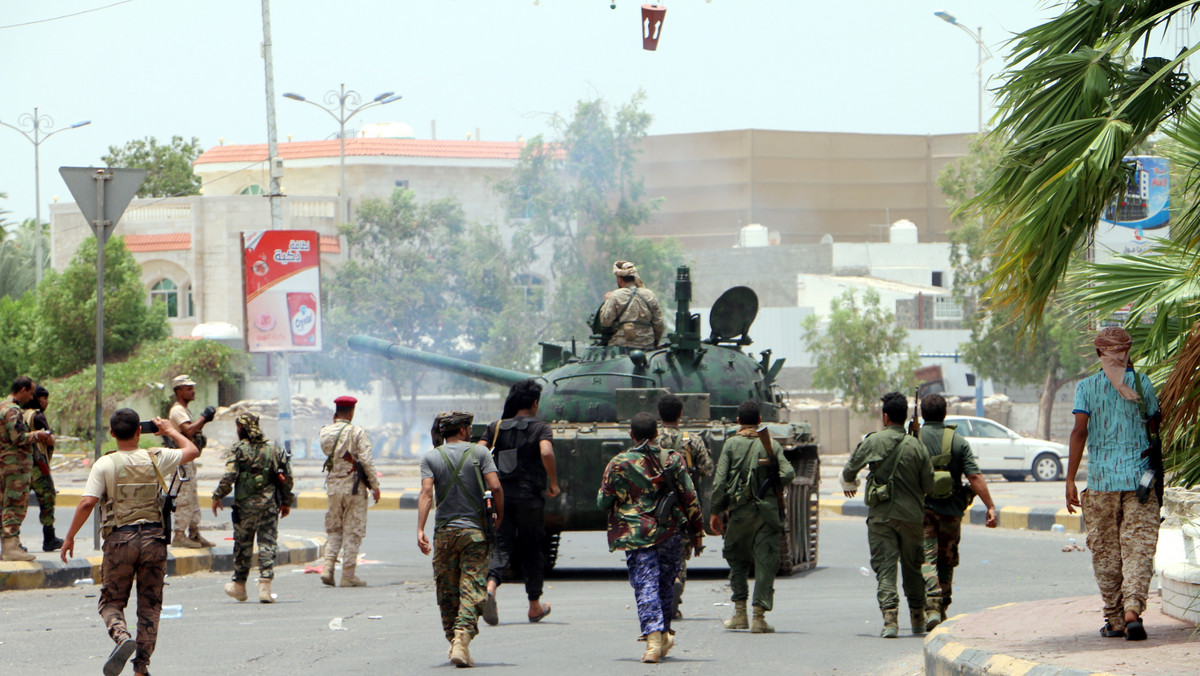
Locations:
{"points": [[187, 510], [16, 468], [263, 480], [944, 508], [460, 475], [128, 485], [631, 315], [40, 480], [749, 477], [699, 464], [523, 450], [901, 476], [351, 475]]}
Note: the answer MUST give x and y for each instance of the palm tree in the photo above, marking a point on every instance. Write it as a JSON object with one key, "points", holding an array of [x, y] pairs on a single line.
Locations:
{"points": [[1082, 93], [16, 256]]}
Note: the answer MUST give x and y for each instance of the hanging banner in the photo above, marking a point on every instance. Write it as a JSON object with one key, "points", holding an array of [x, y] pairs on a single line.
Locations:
{"points": [[281, 275], [1140, 215]]}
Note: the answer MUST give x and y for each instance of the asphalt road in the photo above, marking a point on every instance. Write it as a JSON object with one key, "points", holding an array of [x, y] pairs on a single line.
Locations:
{"points": [[826, 619]]}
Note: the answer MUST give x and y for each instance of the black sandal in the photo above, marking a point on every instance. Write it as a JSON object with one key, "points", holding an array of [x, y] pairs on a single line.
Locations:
{"points": [[1108, 632], [1135, 631]]}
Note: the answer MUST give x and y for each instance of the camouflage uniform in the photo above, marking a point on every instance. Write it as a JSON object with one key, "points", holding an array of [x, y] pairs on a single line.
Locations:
{"points": [[253, 468], [943, 517], [187, 502], [699, 463], [460, 567], [16, 467], [629, 491], [346, 519], [752, 537], [42, 484], [633, 314]]}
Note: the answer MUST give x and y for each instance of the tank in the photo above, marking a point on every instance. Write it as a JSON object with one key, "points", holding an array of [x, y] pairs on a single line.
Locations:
{"points": [[592, 391]]}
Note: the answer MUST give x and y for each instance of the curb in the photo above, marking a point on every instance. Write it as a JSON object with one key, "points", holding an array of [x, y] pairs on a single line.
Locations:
{"points": [[55, 573], [1029, 518], [945, 656], [403, 499]]}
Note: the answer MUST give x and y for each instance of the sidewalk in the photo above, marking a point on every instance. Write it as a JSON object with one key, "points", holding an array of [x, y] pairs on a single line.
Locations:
{"points": [[1058, 637]]}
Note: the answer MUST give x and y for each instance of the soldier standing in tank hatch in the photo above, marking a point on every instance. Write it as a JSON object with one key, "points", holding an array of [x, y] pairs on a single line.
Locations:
{"points": [[40, 480], [459, 475], [523, 449], [187, 509], [631, 314], [895, 521], [692, 449], [263, 480], [351, 475], [755, 524]]}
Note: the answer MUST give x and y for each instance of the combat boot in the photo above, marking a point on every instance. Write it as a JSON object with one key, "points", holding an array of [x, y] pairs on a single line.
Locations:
{"points": [[654, 643], [180, 539], [194, 534], [739, 619], [50, 543], [460, 648], [759, 625], [933, 618], [11, 550], [264, 590], [327, 573], [349, 579], [236, 589], [916, 617], [891, 623]]}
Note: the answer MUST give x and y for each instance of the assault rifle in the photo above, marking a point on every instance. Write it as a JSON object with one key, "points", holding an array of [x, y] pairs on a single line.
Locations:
{"points": [[914, 425], [360, 472], [489, 518], [764, 437]]}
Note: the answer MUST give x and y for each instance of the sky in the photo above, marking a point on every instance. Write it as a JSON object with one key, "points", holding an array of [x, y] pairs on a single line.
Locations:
{"points": [[160, 68]]}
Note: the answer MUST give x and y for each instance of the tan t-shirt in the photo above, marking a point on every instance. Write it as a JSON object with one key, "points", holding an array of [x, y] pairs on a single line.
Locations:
{"points": [[179, 415], [102, 480]]}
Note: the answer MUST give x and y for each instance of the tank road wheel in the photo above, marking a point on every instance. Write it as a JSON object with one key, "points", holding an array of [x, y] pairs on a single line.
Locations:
{"points": [[798, 548]]}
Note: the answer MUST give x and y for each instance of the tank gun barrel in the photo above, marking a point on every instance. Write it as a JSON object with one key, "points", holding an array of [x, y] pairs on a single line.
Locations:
{"points": [[490, 374]]}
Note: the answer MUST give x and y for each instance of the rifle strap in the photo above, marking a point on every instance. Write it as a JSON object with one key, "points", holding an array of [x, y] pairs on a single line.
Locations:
{"points": [[943, 460], [328, 466], [625, 308], [456, 483], [890, 462]]}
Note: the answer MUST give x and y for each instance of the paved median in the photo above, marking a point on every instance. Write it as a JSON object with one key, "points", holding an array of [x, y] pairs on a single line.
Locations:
{"points": [[1029, 518]]}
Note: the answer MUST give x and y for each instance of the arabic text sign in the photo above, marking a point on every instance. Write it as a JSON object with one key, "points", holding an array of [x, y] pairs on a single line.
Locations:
{"points": [[282, 274]]}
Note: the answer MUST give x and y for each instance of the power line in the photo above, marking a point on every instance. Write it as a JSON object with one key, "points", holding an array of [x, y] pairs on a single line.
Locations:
{"points": [[64, 16]]}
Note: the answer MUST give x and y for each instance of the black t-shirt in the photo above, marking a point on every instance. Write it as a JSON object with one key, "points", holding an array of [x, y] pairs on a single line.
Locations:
{"points": [[529, 478]]}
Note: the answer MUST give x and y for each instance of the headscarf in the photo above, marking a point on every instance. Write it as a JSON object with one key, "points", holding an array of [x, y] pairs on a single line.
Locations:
{"points": [[1113, 344], [627, 269], [452, 421], [249, 424]]}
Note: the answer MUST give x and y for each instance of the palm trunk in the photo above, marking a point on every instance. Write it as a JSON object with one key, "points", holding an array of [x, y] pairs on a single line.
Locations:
{"points": [[1050, 385]]}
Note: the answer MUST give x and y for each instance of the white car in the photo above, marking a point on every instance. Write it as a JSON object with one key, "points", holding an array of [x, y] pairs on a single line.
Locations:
{"points": [[999, 450]]}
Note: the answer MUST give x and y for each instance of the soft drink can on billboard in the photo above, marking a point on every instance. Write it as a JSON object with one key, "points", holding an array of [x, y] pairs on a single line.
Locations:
{"points": [[302, 312]]}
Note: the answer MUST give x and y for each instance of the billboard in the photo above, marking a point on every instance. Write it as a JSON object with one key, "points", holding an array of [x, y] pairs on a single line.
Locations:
{"points": [[281, 280], [1138, 216]]}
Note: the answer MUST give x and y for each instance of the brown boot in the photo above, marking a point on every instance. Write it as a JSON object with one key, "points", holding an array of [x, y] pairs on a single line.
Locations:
{"points": [[349, 579], [739, 619], [460, 648], [327, 572], [264, 590], [916, 617], [236, 589], [759, 625], [11, 550], [933, 617], [654, 642], [891, 623], [194, 534], [668, 642], [180, 539]]}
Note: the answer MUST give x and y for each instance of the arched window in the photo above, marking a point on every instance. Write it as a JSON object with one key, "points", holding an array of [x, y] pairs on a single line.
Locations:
{"points": [[165, 291], [254, 189]]}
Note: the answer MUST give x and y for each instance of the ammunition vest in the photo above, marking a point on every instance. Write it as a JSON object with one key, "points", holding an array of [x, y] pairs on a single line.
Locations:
{"points": [[256, 470], [133, 495]]}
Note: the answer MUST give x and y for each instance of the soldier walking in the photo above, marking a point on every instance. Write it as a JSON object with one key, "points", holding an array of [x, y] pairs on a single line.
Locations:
{"points": [[895, 514], [945, 507], [16, 468], [128, 485], [692, 449], [631, 315], [351, 475], [459, 474], [523, 450], [187, 508], [261, 478], [40, 480], [650, 500], [755, 525]]}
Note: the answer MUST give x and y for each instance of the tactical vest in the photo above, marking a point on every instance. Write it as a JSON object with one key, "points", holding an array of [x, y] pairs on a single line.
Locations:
{"points": [[257, 468], [742, 484], [518, 455], [943, 481], [133, 495]]}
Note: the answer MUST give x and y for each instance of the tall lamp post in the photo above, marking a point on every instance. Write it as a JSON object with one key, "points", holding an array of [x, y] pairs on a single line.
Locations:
{"points": [[31, 127], [336, 103], [984, 53]]}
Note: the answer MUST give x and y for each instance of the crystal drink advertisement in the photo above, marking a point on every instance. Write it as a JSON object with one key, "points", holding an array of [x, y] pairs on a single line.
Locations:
{"points": [[282, 279]]}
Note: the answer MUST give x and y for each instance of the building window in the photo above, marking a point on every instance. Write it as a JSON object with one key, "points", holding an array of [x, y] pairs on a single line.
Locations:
{"points": [[402, 184], [254, 189], [165, 291], [191, 307], [946, 308], [937, 278], [535, 290]]}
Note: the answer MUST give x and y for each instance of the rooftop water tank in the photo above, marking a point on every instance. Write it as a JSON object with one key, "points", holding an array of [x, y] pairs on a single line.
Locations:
{"points": [[754, 235], [903, 231]]}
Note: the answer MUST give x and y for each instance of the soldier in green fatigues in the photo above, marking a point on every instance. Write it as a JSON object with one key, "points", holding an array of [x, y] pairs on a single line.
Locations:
{"points": [[752, 535], [894, 525], [699, 464], [949, 452], [259, 474]]}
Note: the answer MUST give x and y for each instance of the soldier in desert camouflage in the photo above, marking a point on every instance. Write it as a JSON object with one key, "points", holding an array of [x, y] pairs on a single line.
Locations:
{"points": [[631, 315], [351, 476]]}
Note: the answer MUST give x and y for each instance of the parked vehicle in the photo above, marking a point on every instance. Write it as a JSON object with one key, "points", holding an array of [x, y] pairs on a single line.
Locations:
{"points": [[1000, 450]]}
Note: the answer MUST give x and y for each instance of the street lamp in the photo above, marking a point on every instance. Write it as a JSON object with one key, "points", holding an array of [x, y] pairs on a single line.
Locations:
{"points": [[33, 126], [984, 53], [337, 100]]}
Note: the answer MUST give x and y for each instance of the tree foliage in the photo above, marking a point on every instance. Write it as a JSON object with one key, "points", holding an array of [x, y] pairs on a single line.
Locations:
{"points": [[18, 260], [168, 166], [862, 352], [579, 192]]}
